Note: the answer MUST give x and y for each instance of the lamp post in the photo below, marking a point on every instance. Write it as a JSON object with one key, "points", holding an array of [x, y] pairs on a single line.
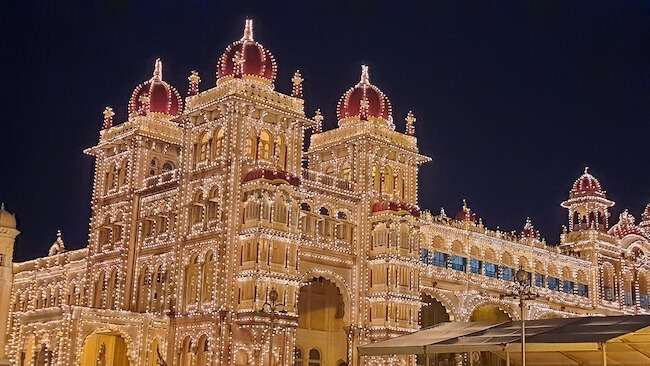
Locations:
{"points": [[271, 306], [523, 291]]}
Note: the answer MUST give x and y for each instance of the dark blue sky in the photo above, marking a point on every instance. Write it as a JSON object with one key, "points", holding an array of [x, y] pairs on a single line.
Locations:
{"points": [[513, 98]]}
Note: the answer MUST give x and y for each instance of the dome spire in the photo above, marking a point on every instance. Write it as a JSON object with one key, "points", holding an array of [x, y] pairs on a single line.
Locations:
{"points": [[586, 170], [248, 31], [365, 75], [157, 70]]}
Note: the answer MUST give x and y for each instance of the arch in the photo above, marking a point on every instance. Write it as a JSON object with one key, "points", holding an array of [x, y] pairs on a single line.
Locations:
{"points": [[207, 287], [154, 166], [525, 264], [167, 166], [111, 290], [202, 351], [315, 357], [492, 312], [338, 281], [251, 144], [507, 259], [203, 148], [281, 152], [298, 356], [438, 243], [608, 282], [388, 182], [644, 290], [185, 356], [265, 145], [219, 137], [98, 300], [433, 311], [490, 255], [117, 348], [458, 247]]}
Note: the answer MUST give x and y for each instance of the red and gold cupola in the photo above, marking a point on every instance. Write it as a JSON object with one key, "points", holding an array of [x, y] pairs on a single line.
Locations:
{"points": [[247, 59], [155, 96], [587, 204], [365, 102]]}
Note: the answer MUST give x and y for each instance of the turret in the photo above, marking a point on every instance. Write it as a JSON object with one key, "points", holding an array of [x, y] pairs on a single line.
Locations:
{"points": [[587, 204], [8, 235]]}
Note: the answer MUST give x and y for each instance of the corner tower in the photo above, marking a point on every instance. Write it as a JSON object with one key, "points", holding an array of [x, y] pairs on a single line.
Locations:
{"points": [[8, 235]]}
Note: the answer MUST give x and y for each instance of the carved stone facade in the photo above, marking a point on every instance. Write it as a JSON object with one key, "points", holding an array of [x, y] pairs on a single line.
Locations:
{"points": [[203, 206]]}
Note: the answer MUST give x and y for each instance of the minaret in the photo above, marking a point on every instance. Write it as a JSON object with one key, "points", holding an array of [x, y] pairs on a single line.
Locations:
{"points": [[587, 204], [8, 235]]}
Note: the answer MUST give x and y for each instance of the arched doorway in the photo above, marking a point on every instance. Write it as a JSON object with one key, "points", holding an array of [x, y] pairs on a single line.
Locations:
{"points": [[105, 348], [321, 310], [433, 312], [27, 354], [489, 313]]}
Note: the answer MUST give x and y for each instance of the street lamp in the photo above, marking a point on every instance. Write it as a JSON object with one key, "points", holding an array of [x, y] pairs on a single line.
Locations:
{"points": [[523, 291], [271, 306]]}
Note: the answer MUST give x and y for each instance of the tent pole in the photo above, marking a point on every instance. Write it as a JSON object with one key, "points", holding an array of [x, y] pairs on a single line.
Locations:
{"points": [[604, 354], [507, 358]]}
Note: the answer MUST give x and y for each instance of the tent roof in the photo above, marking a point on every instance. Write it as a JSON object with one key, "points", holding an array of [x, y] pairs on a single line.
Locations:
{"points": [[569, 341]]}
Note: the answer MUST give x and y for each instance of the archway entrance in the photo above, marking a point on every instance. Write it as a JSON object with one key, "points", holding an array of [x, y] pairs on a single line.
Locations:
{"points": [[489, 313], [320, 337], [432, 313], [104, 349]]}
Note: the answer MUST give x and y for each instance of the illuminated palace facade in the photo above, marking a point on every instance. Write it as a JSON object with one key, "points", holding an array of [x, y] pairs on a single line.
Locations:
{"points": [[204, 206]]}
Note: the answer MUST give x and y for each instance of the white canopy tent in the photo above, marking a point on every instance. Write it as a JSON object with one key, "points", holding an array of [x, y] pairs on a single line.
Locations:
{"points": [[616, 340]]}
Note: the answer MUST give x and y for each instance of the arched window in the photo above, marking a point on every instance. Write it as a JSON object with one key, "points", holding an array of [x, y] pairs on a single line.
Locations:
{"points": [[265, 146], [218, 143], [387, 180], [121, 176], [196, 210], [111, 292], [314, 357], [202, 352], [297, 357], [153, 167], [167, 166], [208, 278], [158, 289], [110, 177], [346, 173], [213, 205], [305, 207], [193, 281], [251, 144], [99, 290], [203, 148]]}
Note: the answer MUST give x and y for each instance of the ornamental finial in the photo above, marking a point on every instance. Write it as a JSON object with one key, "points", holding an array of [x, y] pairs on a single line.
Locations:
{"points": [[365, 75], [108, 117], [410, 123], [157, 70], [586, 170], [2, 206], [318, 117], [297, 84], [248, 30], [194, 82]]}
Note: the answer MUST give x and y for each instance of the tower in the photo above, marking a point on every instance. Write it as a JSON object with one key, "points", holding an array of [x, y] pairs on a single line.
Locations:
{"points": [[8, 235], [587, 204], [381, 166]]}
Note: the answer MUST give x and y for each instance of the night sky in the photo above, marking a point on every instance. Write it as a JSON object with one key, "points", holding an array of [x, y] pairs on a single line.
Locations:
{"points": [[512, 98]]}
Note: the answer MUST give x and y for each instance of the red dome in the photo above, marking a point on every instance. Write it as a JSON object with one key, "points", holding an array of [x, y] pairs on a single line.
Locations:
{"points": [[364, 101], [586, 183], [247, 58], [626, 226], [155, 96], [529, 230], [466, 213]]}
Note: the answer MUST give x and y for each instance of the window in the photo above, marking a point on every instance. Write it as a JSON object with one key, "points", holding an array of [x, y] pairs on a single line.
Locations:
{"points": [[297, 357], [491, 270], [265, 146], [507, 273], [475, 266], [567, 286], [458, 263], [167, 166], [314, 357], [553, 283], [424, 256], [440, 259], [583, 290]]}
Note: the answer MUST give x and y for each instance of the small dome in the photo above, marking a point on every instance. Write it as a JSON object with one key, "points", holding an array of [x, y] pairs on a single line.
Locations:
{"points": [[7, 220], [466, 213], [155, 96], [626, 226], [364, 101], [587, 183], [529, 230], [247, 58]]}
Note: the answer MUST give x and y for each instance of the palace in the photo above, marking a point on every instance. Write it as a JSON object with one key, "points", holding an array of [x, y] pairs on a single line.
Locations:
{"points": [[216, 238]]}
